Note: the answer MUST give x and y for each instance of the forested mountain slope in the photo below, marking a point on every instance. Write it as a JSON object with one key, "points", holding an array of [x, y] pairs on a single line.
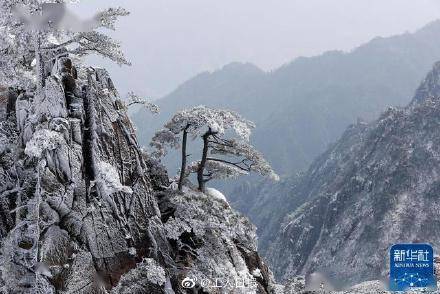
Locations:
{"points": [[376, 186]]}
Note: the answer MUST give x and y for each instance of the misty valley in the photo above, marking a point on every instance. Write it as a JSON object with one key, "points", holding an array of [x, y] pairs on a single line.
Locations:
{"points": [[319, 176]]}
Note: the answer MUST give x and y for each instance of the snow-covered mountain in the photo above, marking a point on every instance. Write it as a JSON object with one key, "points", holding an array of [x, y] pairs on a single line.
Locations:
{"points": [[376, 186], [84, 210], [305, 105]]}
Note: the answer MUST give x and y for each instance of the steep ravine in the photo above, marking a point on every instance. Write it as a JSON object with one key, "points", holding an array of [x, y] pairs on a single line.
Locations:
{"points": [[378, 185]]}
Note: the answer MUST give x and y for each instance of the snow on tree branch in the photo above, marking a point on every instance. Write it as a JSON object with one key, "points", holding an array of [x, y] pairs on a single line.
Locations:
{"points": [[108, 17], [198, 119], [96, 42], [33, 32], [252, 160], [218, 170], [212, 125], [163, 139], [135, 99]]}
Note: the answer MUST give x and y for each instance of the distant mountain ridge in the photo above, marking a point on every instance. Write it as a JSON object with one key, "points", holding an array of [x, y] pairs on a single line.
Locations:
{"points": [[303, 106], [300, 111]]}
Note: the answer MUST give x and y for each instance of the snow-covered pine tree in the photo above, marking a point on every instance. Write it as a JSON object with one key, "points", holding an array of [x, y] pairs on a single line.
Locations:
{"points": [[224, 133], [134, 99], [31, 42]]}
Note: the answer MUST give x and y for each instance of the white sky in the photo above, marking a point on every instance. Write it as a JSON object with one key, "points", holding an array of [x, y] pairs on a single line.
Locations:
{"points": [[169, 41]]}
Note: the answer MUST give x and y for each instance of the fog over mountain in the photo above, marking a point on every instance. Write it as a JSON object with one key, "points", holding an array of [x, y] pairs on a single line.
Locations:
{"points": [[300, 109], [170, 41], [303, 106]]}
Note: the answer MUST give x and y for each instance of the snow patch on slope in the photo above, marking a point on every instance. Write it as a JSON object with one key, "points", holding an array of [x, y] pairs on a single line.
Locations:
{"points": [[216, 194]]}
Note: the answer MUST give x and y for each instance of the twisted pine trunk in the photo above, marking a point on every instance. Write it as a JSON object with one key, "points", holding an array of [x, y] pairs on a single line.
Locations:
{"points": [[184, 156], [200, 177]]}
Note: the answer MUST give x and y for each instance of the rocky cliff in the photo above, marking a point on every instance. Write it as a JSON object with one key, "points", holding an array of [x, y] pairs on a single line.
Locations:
{"points": [[376, 186], [84, 210]]}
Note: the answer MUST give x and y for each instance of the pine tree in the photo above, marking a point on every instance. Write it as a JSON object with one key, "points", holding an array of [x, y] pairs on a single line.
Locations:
{"points": [[226, 150], [25, 23]]}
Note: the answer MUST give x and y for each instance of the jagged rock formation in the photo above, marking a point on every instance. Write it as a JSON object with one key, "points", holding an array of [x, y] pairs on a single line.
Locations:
{"points": [[78, 205], [376, 186], [207, 229]]}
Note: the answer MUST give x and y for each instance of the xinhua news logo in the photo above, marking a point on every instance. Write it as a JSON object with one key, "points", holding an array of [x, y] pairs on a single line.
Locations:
{"points": [[412, 267]]}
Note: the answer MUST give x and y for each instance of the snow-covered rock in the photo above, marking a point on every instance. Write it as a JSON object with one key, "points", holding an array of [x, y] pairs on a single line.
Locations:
{"points": [[216, 194], [377, 186], [78, 205], [215, 244]]}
